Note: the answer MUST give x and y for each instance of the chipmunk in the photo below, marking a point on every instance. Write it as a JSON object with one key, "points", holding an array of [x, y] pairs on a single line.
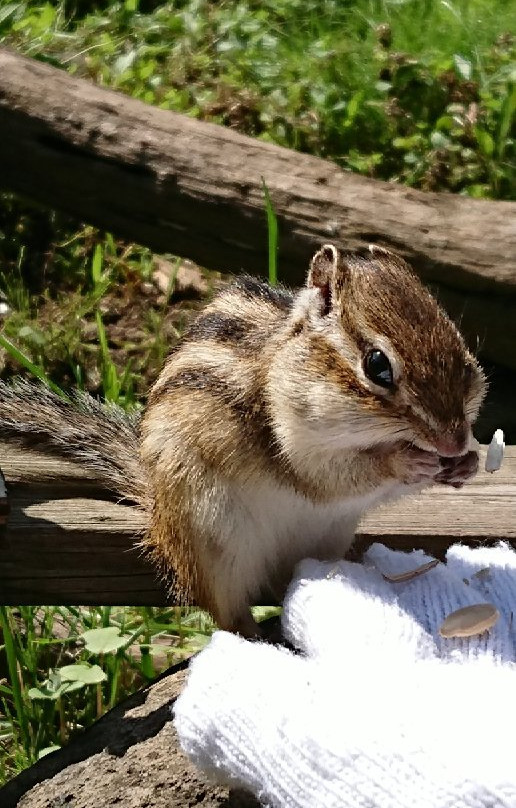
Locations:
{"points": [[278, 421]]}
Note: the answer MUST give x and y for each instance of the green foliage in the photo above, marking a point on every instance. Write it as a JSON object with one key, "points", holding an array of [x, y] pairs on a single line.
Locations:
{"points": [[32, 367], [272, 236], [103, 640], [411, 91], [67, 666], [404, 90], [116, 387], [66, 680], [12, 657], [63, 293]]}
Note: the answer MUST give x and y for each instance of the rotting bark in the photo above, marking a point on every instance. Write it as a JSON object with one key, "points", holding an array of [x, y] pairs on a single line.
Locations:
{"points": [[195, 189]]}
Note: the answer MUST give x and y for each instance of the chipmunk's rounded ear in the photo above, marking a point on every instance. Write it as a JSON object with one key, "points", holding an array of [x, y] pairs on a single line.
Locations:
{"points": [[322, 272], [377, 249], [386, 256]]}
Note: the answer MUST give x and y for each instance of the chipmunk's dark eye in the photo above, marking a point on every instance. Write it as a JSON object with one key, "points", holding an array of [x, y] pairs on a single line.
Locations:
{"points": [[378, 368]]}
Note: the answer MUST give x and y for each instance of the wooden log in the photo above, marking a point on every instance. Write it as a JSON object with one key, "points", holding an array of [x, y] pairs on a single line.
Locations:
{"points": [[64, 544], [130, 757], [195, 189]]}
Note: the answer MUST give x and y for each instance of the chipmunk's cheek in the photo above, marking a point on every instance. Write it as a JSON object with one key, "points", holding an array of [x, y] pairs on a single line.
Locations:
{"points": [[457, 470]]}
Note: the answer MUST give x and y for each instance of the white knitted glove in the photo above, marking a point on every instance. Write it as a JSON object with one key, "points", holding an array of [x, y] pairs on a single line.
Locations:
{"points": [[378, 709]]}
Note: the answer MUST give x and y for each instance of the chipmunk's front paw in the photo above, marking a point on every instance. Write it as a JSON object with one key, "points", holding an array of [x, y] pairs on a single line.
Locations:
{"points": [[457, 470], [412, 466]]}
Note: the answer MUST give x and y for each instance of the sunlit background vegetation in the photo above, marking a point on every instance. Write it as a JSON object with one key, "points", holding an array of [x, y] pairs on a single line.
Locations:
{"points": [[420, 92]]}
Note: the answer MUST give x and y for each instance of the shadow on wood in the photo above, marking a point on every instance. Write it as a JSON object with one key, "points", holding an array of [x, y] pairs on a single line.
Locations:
{"points": [[67, 544]]}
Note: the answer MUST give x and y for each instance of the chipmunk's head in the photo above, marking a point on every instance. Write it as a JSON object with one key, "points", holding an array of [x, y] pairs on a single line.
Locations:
{"points": [[382, 361]]}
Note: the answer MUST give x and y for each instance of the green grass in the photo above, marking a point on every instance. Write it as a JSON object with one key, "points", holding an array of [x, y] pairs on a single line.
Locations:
{"points": [[411, 91], [66, 666], [272, 236]]}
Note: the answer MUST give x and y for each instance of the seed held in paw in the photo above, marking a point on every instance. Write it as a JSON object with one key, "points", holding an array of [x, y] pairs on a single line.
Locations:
{"points": [[494, 455], [469, 620]]}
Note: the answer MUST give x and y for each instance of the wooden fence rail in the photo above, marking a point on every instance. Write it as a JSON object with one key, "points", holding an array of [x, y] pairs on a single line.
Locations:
{"points": [[66, 543], [195, 189]]}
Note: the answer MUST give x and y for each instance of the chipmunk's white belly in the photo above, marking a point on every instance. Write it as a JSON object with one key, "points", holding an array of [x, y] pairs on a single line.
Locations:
{"points": [[263, 530], [279, 518]]}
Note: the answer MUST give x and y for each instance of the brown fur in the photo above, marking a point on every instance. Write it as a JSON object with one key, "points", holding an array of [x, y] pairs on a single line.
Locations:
{"points": [[431, 348], [223, 407], [267, 392]]}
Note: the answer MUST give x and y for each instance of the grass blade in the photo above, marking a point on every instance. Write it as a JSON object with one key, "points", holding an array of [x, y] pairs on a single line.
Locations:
{"points": [[10, 652], [507, 118], [96, 266], [272, 232], [29, 365]]}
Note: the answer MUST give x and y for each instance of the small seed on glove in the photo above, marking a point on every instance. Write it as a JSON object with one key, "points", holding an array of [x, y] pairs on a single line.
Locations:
{"points": [[483, 575], [470, 620], [409, 574]]}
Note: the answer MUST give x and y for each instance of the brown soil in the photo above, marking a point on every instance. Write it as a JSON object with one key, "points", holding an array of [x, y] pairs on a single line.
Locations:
{"points": [[143, 321]]}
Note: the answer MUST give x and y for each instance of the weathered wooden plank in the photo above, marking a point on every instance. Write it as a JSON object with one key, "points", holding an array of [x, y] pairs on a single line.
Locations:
{"points": [[73, 550], [484, 509], [65, 544]]}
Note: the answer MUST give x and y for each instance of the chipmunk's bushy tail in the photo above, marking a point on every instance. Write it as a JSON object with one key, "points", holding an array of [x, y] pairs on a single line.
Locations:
{"points": [[101, 437]]}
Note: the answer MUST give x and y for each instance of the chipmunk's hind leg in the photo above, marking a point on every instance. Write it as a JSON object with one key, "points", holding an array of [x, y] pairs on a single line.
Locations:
{"points": [[225, 591], [232, 613], [247, 627]]}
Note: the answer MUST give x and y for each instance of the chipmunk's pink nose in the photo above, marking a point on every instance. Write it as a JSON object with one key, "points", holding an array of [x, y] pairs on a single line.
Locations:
{"points": [[452, 444]]}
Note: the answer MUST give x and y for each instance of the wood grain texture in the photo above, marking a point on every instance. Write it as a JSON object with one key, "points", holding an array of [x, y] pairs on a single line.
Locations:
{"points": [[66, 543], [483, 511], [195, 189]]}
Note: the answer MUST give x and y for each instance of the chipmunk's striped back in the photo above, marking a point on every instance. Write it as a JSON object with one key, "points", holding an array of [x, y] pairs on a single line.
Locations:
{"points": [[276, 423], [207, 420], [213, 382]]}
